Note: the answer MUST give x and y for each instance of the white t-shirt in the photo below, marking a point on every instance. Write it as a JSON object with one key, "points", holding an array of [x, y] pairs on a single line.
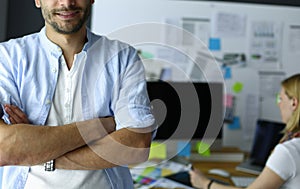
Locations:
{"points": [[66, 108], [285, 162]]}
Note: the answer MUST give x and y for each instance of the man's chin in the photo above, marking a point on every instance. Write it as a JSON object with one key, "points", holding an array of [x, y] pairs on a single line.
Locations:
{"points": [[67, 30]]}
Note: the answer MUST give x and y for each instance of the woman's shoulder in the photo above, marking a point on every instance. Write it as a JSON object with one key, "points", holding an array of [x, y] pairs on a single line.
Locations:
{"points": [[292, 145], [294, 141]]}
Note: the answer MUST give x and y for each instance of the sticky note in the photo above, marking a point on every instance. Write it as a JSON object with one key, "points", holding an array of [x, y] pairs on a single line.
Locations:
{"points": [[158, 151], [227, 72], [228, 101], [203, 149], [146, 55], [235, 124], [153, 172], [147, 171], [166, 172], [237, 87], [183, 148], [215, 44]]}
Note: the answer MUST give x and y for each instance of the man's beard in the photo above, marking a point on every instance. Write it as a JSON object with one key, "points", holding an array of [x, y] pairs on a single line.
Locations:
{"points": [[65, 29]]}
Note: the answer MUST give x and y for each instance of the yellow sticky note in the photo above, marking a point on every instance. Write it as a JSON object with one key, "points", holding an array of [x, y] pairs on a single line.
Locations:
{"points": [[203, 149], [166, 172], [158, 151]]}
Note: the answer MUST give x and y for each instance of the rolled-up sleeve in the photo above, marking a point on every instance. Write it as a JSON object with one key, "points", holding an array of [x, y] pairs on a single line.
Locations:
{"points": [[8, 89], [133, 106]]}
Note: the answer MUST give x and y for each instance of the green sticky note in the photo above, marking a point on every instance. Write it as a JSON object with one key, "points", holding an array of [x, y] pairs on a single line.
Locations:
{"points": [[158, 151], [146, 55], [148, 171], [203, 149], [237, 87]]}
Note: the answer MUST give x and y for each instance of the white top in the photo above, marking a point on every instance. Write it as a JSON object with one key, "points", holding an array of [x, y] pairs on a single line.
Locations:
{"points": [[66, 108], [285, 162]]}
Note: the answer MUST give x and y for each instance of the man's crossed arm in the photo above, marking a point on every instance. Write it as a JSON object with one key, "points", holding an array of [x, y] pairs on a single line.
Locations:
{"points": [[91, 144]]}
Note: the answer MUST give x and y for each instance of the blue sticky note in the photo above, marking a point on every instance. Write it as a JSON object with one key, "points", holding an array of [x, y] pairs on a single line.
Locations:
{"points": [[235, 124], [215, 44], [227, 72], [184, 148]]}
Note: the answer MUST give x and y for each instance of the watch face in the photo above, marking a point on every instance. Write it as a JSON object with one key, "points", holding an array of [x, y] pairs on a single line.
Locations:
{"points": [[49, 166]]}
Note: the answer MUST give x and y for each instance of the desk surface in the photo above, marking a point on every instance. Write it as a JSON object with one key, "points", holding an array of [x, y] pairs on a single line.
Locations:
{"points": [[227, 166], [205, 166]]}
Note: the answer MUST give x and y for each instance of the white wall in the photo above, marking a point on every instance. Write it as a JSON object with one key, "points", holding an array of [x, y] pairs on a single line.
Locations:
{"points": [[111, 15]]}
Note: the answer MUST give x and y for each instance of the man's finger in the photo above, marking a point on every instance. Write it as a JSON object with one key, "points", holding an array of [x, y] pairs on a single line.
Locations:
{"points": [[12, 116], [18, 112], [15, 114], [12, 121]]}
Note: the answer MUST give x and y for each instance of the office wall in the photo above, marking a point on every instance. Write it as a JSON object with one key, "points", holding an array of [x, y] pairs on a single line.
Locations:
{"points": [[112, 15], [268, 2]]}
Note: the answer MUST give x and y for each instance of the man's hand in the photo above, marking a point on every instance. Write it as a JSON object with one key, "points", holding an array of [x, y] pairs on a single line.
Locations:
{"points": [[15, 114]]}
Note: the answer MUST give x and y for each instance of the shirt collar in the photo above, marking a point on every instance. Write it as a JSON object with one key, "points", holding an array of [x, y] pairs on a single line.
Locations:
{"points": [[49, 45], [52, 47]]}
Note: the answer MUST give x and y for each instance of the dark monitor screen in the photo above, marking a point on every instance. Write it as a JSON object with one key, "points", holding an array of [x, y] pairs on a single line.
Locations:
{"points": [[186, 110], [267, 135]]}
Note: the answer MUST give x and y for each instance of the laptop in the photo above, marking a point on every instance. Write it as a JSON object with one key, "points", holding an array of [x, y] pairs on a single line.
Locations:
{"points": [[267, 135]]}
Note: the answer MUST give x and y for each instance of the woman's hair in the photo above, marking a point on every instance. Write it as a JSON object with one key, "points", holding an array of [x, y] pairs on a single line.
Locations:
{"points": [[291, 85]]}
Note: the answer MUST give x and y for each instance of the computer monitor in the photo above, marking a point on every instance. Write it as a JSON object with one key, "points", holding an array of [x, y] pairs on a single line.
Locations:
{"points": [[187, 111], [267, 136]]}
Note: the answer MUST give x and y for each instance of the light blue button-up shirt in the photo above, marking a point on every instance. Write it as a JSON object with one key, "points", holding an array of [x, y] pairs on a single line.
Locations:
{"points": [[113, 84]]}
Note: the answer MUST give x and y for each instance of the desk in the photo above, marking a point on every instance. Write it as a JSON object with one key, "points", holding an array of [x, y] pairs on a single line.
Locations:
{"points": [[204, 166], [228, 166]]}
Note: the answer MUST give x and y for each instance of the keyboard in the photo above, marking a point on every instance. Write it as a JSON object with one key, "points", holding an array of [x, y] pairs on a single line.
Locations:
{"points": [[242, 181]]}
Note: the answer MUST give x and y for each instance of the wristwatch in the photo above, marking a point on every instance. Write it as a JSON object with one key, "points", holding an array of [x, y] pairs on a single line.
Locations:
{"points": [[50, 165]]}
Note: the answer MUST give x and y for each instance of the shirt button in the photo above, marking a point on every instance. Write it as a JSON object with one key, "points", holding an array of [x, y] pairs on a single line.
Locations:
{"points": [[48, 101], [54, 70]]}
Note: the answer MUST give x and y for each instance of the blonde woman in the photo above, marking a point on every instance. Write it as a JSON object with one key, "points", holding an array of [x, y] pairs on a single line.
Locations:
{"points": [[282, 169]]}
